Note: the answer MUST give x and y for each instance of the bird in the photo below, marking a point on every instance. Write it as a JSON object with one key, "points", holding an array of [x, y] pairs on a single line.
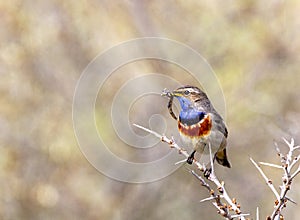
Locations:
{"points": [[199, 124]]}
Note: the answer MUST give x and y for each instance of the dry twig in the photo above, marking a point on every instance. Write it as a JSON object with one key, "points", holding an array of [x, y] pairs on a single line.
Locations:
{"points": [[223, 209], [232, 210], [288, 162]]}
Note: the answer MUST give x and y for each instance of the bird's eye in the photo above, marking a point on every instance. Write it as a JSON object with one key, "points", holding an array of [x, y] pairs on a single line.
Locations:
{"points": [[186, 92]]}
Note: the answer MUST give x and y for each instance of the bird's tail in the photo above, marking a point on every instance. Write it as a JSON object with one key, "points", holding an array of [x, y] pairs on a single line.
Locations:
{"points": [[221, 158]]}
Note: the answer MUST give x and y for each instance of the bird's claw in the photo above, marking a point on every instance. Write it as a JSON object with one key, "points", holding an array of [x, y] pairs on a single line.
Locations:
{"points": [[190, 160], [207, 172]]}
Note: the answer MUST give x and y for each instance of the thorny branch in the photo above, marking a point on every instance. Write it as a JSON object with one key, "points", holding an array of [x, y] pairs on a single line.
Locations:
{"points": [[223, 209], [288, 162], [232, 210]]}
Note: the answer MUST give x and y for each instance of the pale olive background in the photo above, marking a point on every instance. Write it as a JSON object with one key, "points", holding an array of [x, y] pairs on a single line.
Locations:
{"points": [[253, 47]]}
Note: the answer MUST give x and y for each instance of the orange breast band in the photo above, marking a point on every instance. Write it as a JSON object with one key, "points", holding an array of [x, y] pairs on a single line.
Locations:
{"points": [[202, 128]]}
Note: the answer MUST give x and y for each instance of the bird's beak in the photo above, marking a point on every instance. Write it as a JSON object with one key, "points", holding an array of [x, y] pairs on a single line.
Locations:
{"points": [[170, 94], [176, 93]]}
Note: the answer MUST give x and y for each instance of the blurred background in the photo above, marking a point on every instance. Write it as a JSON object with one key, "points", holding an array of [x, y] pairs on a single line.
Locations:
{"points": [[252, 46]]}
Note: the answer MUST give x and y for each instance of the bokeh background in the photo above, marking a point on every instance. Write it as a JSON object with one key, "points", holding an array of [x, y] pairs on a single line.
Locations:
{"points": [[253, 47]]}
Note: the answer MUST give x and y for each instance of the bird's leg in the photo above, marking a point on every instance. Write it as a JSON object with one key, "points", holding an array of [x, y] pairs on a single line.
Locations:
{"points": [[208, 169], [191, 157]]}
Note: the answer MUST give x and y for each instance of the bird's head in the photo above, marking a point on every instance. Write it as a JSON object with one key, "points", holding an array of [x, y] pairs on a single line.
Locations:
{"points": [[188, 96]]}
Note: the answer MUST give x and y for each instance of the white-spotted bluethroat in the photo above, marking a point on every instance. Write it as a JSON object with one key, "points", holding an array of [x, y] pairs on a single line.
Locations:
{"points": [[199, 124]]}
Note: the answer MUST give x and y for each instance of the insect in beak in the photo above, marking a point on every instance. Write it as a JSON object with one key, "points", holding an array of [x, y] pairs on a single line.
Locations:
{"points": [[170, 95]]}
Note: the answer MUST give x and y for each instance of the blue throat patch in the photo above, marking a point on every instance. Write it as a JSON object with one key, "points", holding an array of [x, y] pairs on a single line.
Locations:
{"points": [[188, 114]]}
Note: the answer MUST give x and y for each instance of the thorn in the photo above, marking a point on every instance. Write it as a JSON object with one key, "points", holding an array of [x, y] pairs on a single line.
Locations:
{"points": [[207, 199], [180, 162], [291, 200], [270, 165], [297, 147], [239, 215]]}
